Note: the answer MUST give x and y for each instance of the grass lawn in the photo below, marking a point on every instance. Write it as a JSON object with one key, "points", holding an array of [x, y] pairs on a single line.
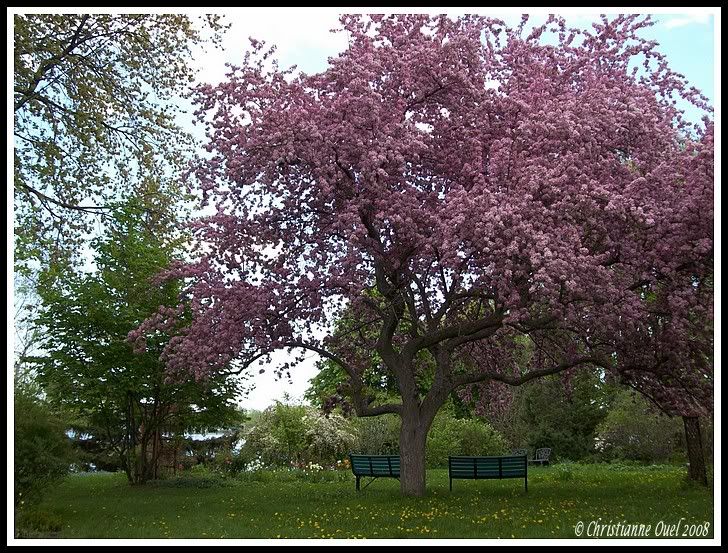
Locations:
{"points": [[105, 506]]}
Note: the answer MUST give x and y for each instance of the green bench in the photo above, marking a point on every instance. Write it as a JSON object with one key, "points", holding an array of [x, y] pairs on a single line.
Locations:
{"points": [[488, 468], [374, 466]]}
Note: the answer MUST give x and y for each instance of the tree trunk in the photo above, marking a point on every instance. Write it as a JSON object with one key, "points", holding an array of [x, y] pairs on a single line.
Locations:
{"points": [[124, 459], [412, 439], [142, 467], [696, 455]]}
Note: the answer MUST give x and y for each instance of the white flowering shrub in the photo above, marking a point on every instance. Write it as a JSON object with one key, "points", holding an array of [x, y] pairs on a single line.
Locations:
{"points": [[329, 438], [255, 464], [299, 436]]}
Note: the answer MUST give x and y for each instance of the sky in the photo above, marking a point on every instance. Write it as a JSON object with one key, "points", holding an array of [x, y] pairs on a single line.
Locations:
{"points": [[303, 39]]}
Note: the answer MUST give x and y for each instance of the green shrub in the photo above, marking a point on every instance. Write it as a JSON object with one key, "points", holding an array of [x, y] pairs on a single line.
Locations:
{"points": [[238, 463], [42, 450], [447, 436], [310, 473], [328, 438], [451, 436], [634, 431], [278, 435], [546, 414], [228, 462], [378, 435]]}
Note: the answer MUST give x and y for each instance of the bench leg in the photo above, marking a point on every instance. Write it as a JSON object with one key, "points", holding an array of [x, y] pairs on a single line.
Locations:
{"points": [[450, 484], [370, 481], [525, 481], [357, 483]]}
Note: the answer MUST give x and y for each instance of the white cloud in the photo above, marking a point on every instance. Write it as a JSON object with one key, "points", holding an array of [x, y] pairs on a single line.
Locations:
{"points": [[691, 19]]}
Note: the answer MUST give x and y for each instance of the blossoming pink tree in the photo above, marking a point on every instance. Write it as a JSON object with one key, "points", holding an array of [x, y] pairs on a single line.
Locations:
{"points": [[675, 370], [455, 184]]}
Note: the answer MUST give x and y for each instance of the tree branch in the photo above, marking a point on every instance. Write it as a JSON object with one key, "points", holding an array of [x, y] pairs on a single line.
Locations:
{"points": [[97, 210], [462, 380], [30, 93], [462, 330]]}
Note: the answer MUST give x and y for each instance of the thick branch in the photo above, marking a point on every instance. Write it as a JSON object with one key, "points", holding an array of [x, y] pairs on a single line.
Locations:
{"points": [[361, 403], [530, 375], [462, 330], [474, 337], [364, 410], [424, 298]]}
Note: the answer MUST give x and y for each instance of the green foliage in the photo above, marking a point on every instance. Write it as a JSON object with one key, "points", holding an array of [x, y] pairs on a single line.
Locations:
{"points": [[232, 463], [278, 436], [36, 523], [124, 399], [42, 452], [545, 414], [448, 435], [634, 430], [325, 384], [94, 106], [451, 436], [329, 438], [378, 435], [215, 450]]}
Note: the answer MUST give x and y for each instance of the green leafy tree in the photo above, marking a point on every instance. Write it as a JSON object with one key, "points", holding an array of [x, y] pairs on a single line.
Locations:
{"points": [[42, 456], [634, 429], [95, 107], [330, 387], [127, 400], [561, 416], [327, 388]]}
